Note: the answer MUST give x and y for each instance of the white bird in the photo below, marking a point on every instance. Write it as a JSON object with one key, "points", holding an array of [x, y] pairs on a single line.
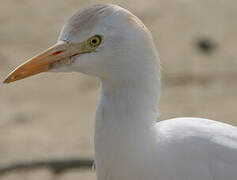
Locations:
{"points": [[109, 42]]}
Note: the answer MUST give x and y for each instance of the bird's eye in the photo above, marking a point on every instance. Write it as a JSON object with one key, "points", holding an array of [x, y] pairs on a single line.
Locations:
{"points": [[94, 41]]}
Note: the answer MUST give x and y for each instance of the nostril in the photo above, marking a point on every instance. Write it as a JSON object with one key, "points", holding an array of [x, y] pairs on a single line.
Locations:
{"points": [[55, 53]]}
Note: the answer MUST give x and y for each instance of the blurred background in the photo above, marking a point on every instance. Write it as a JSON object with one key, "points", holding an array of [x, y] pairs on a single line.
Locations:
{"points": [[51, 116]]}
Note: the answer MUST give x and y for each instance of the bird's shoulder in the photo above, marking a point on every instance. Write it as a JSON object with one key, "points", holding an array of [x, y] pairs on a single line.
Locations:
{"points": [[199, 135], [189, 127], [212, 145]]}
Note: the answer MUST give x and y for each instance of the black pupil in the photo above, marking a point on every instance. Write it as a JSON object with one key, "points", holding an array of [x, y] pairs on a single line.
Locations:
{"points": [[94, 41]]}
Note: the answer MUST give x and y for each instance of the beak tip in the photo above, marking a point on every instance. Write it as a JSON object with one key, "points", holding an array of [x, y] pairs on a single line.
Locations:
{"points": [[6, 81]]}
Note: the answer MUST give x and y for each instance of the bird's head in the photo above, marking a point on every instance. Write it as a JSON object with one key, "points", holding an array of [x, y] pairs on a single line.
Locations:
{"points": [[97, 41]]}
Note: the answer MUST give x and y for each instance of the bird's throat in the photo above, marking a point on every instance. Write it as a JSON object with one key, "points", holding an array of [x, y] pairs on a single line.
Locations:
{"points": [[125, 114]]}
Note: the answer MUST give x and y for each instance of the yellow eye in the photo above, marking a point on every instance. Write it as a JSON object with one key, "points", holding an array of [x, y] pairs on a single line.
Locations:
{"points": [[94, 41]]}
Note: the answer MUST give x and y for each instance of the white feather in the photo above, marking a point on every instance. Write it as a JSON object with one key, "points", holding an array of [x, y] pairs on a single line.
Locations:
{"points": [[129, 144]]}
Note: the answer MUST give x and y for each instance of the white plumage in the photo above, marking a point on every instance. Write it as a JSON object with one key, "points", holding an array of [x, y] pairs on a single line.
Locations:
{"points": [[129, 143]]}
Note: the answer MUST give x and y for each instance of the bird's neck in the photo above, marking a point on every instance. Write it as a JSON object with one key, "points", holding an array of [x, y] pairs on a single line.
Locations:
{"points": [[130, 101], [126, 112]]}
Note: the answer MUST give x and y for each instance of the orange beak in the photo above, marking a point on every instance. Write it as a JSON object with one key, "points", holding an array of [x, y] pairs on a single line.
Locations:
{"points": [[55, 56]]}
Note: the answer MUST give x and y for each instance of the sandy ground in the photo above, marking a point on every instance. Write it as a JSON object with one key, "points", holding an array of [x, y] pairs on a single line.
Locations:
{"points": [[51, 115]]}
